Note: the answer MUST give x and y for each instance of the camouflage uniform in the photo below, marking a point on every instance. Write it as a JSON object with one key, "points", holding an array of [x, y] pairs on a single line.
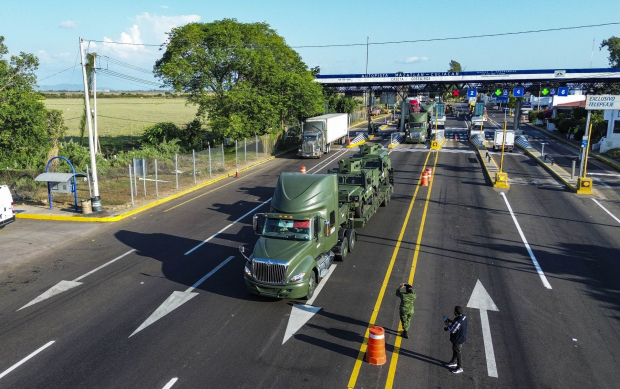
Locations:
{"points": [[406, 307]]}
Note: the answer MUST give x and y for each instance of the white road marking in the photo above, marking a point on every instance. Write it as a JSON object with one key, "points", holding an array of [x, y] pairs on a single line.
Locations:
{"points": [[64, 286], [301, 313], [170, 383], [481, 300], [602, 183], [605, 209], [18, 364], [543, 278], [177, 299]]}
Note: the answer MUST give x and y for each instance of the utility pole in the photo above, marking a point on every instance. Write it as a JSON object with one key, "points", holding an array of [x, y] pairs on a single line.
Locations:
{"points": [[96, 136], [93, 161], [367, 95], [592, 54]]}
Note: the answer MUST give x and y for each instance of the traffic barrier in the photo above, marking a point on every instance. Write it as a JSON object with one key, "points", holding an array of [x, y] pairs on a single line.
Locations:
{"points": [[424, 178], [302, 170], [429, 174], [375, 355], [348, 141]]}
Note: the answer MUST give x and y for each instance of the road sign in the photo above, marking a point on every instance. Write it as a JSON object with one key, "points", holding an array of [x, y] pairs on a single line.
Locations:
{"points": [[456, 93], [505, 93], [472, 93], [498, 92], [584, 142], [518, 92], [502, 99], [603, 102], [552, 91], [545, 92], [563, 91]]}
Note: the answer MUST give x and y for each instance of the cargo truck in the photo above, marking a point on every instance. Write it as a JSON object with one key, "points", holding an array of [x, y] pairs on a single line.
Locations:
{"points": [[499, 137], [438, 117], [417, 129], [320, 132], [311, 223]]}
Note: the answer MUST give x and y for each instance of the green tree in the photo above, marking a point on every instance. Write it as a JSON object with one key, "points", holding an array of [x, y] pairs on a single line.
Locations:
{"points": [[24, 138], [341, 104], [455, 67], [244, 78], [613, 46]]}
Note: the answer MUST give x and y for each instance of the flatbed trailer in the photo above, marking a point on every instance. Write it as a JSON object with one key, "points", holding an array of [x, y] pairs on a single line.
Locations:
{"points": [[382, 198]]}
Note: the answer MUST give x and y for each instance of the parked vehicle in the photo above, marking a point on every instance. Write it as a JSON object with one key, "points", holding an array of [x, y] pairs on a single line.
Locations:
{"points": [[320, 132], [7, 210], [375, 111]]}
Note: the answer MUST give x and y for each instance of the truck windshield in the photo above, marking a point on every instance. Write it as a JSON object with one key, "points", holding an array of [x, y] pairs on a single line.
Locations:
{"points": [[288, 229], [416, 125], [373, 164], [355, 180], [309, 137]]}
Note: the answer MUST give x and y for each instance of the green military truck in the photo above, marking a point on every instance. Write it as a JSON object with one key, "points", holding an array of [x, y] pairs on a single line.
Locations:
{"points": [[356, 186], [417, 128], [374, 156], [306, 229]]}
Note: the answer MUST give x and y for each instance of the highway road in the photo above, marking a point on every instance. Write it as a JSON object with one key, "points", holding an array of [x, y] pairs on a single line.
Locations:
{"points": [[158, 301]]}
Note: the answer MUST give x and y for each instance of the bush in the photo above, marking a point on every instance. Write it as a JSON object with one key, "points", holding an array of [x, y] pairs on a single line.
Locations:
{"points": [[160, 132]]}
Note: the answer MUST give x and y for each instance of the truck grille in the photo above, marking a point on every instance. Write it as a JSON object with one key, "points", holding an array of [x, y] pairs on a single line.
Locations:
{"points": [[269, 272], [307, 148]]}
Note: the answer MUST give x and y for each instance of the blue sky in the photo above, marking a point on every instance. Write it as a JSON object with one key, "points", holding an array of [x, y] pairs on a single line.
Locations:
{"points": [[51, 32]]}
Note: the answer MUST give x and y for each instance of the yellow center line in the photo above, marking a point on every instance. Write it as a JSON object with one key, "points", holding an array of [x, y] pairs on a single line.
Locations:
{"points": [[218, 188], [394, 358], [373, 317]]}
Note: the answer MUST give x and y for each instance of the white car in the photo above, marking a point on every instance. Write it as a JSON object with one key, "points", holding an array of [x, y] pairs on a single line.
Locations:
{"points": [[7, 212]]}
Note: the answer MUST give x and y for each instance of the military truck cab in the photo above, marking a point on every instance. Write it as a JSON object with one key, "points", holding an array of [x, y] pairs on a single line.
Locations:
{"points": [[299, 238]]}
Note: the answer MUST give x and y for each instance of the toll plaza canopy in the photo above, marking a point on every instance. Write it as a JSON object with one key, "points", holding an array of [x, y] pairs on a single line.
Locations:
{"points": [[444, 80]]}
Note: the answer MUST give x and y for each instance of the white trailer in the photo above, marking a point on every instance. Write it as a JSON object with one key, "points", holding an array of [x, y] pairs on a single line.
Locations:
{"points": [[7, 211], [498, 140], [321, 131]]}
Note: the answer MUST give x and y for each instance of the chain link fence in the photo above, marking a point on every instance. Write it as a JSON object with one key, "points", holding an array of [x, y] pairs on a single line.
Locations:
{"points": [[153, 178]]}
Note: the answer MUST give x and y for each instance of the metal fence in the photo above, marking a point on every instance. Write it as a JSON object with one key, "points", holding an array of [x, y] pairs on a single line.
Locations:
{"points": [[151, 178]]}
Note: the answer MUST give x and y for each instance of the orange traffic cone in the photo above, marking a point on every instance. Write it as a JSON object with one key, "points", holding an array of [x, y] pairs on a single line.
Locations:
{"points": [[455, 138], [375, 355], [429, 174], [236, 173], [348, 141], [302, 170], [424, 178]]}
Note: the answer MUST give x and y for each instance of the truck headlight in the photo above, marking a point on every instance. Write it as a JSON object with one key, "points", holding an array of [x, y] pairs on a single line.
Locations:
{"points": [[248, 272], [356, 198], [299, 150], [297, 277]]}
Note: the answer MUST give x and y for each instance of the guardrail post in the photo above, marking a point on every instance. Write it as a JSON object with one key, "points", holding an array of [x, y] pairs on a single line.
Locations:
{"points": [[223, 159], [209, 160], [245, 149], [256, 143], [156, 182], [176, 170], [572, 173], [144, 174]]}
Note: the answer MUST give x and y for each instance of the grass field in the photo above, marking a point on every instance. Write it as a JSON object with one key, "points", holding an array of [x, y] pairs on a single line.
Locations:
{"points": [[124, 117]]}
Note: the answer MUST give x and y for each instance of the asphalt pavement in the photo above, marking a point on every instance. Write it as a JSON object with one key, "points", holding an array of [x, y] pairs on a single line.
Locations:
{"points": [[158, 301]]}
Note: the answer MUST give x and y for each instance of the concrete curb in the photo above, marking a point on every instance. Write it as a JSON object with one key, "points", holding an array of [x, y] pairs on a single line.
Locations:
{"points": [[355, 144], [142, 208], [484, 163], [548, 168], [598, 156]]}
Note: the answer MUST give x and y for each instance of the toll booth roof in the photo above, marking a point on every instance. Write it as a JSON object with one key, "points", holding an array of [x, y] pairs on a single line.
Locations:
{"points": [[57, 177]]}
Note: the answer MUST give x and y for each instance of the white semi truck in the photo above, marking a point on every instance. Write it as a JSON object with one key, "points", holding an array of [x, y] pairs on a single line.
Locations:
{"points": [[320, 132]]}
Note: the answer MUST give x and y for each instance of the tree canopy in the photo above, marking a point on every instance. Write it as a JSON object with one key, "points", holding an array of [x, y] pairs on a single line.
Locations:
{"points": [[455, 67], [27, 130], [243, 76], [613, 45]]}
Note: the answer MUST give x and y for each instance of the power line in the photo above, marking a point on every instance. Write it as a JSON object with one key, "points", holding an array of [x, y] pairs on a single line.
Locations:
{"points": [[124, 64], [409, 41], [128, 78], [55, 74]]}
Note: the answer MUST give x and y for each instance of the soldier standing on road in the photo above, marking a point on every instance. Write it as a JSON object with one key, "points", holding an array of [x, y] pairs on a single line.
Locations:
{"points": [[458, 336], [406, 307]]}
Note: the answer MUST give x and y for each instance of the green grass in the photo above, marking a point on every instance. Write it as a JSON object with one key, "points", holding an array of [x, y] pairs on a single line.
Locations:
{"points": [[124, 117], [613, 154]]}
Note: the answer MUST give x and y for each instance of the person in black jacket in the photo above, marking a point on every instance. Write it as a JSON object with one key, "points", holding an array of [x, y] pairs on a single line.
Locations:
{"points": [[458, 336]]}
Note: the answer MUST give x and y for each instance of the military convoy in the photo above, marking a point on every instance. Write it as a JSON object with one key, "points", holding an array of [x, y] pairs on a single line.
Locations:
{"points": [[312, 222]]}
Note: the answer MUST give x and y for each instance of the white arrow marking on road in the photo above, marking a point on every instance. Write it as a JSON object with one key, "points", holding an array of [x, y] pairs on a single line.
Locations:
{"points": [[481, 300], [177, 299], [64, 286], [301, 313]]}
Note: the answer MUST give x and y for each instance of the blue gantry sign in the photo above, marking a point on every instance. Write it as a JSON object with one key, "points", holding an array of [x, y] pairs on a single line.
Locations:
{"points": [[505, 93], [552, 91], [472, 92], [518, 92], [563, 91]]}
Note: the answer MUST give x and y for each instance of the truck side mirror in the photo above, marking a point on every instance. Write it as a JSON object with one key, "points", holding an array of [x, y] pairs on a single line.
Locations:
{"points": [[258, 223], [242, 251]]}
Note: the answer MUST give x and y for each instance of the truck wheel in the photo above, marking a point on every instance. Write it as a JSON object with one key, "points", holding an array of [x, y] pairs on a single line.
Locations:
{"points": [[311, 285], [344, 250], [352, 237]]}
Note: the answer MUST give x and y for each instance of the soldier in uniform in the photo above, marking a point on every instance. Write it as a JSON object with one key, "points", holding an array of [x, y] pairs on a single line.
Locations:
{"points": [[406, 306]]}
